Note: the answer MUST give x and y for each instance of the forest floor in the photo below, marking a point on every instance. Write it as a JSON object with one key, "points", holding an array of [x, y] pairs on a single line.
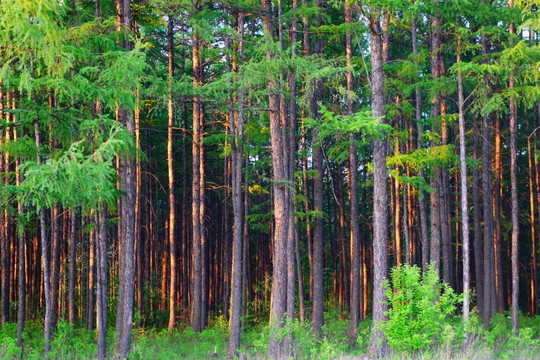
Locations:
{"points": [[495, 342]]}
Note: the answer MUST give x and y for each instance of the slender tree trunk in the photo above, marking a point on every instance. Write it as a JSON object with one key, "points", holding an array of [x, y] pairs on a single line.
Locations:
{"points": [[513, 192], [477, 244], [22, 259], [55, 265], [318, 203], [6, 232], [292, 164], [101, 251], [435, 241], [378, 344], [533, 221], [237, 129], [464, 199], [72, 267], [172, 214], [356, 260], [279, 347], [124, 315], [489, 258], [90, 296], [197, 276], [421, 194], [44, 258], [3, 217], [497, 204]]}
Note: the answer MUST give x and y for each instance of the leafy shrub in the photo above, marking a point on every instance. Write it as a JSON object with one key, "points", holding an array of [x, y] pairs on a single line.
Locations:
{"points": [[420, 307], [9, 349]]}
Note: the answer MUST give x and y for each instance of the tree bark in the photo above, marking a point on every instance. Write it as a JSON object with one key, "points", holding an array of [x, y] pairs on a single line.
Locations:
{"points": [[72, 267], [198, 311], [170, 172], [464, 198], [356, 260], [318, 204], [497, 204], [513, 192], [279, 346], [435, 241], [90, 295], [124, 315], [378, 344], [237, 130], [44, 257], [101, 255], [477, 244]]}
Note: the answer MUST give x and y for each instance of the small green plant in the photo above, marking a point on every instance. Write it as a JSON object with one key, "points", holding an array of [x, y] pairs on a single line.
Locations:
{"points": [[420, 307]]}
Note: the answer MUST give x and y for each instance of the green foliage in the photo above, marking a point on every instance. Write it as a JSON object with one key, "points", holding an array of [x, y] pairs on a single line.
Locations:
{"points": [[83, 175], [419, 308]]}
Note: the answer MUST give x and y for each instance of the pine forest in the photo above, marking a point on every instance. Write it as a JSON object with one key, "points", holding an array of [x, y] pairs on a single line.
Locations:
{"points": [[273, 179]]}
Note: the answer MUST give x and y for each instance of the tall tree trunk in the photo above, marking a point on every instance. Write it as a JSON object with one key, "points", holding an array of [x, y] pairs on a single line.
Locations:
{"points": [[489, 258], [378, 344], [421, 194], [533, 222], [435, 241], [237, 129], [513, 192], [477, 244], [279, 346], [318, 205], [44, 257], [90, 295], [21, 253], [198, 247], [170, 167], [72, 267], [497, 204], [356, 260], [124, 316], [6, 232], [55, 265], [292, 164], [464, 199], [101, 255]]}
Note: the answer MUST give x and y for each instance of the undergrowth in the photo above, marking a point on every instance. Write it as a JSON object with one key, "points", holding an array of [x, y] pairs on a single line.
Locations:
{"points": [[495, 342]]}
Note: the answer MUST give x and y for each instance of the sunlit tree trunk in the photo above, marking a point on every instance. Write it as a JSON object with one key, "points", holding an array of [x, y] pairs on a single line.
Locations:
{"points": [[464, 199], [170, 173], [6, 228], [279, 346]]}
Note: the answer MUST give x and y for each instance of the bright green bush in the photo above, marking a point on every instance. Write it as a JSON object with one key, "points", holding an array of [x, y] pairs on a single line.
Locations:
{"points": [[420, 308]]}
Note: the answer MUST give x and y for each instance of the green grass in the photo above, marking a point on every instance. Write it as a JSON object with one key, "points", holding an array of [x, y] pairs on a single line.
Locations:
{"points": [[496, 342]]}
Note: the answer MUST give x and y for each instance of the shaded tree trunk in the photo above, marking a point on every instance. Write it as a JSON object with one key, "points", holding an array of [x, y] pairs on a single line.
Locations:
{"points": [[378, 344], [356, 260], [198, 241], [513, 193], [101, 255], [318, 204], [237, 130], [124, 316]]}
